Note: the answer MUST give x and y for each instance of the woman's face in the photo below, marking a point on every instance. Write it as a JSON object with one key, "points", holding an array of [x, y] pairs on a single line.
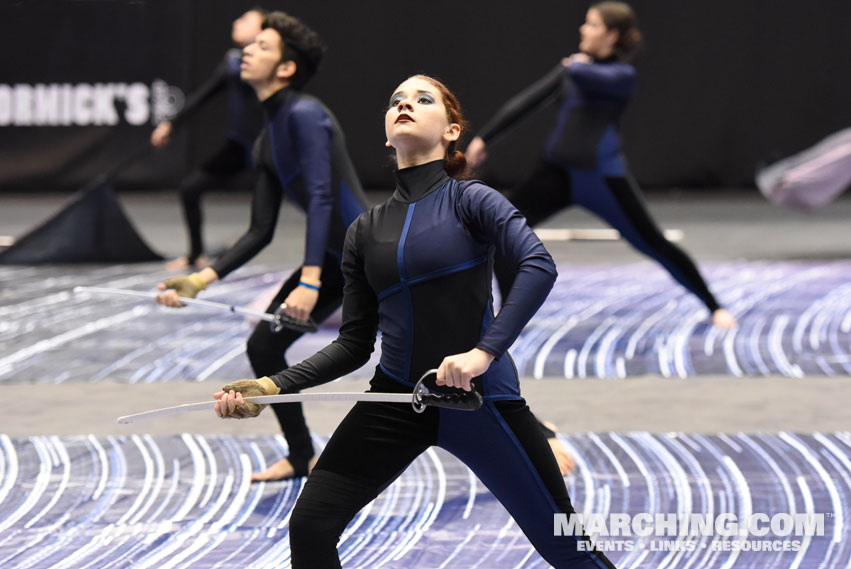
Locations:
{"points": [[416, 117], [597, 40]]}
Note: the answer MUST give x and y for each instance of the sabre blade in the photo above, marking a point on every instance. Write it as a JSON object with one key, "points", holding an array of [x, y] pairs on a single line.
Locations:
{"points": [[267, 399], [190, 301]]}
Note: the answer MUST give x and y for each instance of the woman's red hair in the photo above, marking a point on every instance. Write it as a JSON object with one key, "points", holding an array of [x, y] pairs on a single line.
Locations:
{"points": [[454, 163]]}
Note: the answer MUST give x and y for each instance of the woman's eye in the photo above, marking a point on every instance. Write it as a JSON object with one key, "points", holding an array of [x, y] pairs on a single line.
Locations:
{"points": [[425, 99], [395, 101]]}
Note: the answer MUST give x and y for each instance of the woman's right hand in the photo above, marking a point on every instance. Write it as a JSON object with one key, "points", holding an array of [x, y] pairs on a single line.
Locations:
{"points": [[476, 153], [161, 134], [187, 286]]}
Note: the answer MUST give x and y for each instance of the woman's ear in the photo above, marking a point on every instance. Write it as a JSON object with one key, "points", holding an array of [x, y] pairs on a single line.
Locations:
{"points": [[452, 133], [613, 37]]}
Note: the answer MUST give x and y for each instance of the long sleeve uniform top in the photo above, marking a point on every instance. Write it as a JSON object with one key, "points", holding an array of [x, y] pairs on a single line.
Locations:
{"points": [[417, 268], [592, 97], [300, 153], [244, 115]]}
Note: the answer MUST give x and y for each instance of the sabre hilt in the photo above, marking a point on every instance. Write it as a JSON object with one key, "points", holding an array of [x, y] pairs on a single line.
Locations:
{"points": [[280, 321], [461, 401]]}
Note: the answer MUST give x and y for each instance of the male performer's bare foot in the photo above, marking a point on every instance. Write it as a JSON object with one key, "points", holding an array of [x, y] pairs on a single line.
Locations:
{"points": [[281, 470], [183, 262], [177, 264], [563, 458], [723, 319]]}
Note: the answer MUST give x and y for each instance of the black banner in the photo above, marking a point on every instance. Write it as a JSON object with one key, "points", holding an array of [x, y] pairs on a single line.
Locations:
{"points": [[722, 84], [82, 85]]}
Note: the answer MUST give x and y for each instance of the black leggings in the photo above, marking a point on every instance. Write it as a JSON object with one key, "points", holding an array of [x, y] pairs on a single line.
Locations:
{"points": [[230, 159], [615, 199], [502, 444], [267, 354]]}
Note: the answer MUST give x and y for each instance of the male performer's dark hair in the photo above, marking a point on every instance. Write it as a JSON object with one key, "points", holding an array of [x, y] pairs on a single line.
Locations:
{"points": [[299, 44]]}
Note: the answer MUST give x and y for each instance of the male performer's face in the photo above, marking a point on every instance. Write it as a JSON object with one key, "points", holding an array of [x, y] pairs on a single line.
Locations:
{"points": [[261, 59], [246, 27], [596, 39], [416, 116]]}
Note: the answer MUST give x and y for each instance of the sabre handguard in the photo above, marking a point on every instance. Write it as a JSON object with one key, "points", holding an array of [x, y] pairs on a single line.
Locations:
{"points": [[461, 401], [282, 321]]}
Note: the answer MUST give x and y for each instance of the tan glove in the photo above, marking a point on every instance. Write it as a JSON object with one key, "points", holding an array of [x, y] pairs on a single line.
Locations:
{"points": [[186, 285], [248, 388]]}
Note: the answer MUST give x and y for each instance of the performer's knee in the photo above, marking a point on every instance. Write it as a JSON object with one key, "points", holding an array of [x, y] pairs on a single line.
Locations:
{"points": [[313, 537], [193, 185], [264, 356]]}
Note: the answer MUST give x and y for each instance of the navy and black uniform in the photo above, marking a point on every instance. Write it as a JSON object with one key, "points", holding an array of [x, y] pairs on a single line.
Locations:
{"points": [[417, 267], [301, 153], [234, 154], [583, 164]]}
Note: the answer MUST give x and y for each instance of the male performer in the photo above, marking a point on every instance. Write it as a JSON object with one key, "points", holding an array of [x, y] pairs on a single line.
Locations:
{"points": [[300, 153]]}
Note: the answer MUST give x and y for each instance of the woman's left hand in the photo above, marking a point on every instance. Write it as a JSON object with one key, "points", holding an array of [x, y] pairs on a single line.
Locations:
{"points": [[458, 370], [576, 58]]}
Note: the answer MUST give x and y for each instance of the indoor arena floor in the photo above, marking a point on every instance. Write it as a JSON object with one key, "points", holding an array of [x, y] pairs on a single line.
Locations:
{"points": [[663, 413]]}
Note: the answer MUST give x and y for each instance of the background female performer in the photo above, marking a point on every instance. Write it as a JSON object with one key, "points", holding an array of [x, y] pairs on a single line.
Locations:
{"points": [[582, 163], [234, 154]]}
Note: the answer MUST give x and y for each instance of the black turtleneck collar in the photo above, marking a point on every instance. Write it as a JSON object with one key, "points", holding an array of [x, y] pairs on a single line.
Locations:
{"points": [[416, 182], [273, 103], [613, 58]]}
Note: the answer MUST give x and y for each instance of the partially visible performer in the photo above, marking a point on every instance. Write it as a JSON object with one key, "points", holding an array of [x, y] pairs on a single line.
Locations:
{"points": [[812, 178], [301, 153], [234, 154], [418, 268], [582, 163]]}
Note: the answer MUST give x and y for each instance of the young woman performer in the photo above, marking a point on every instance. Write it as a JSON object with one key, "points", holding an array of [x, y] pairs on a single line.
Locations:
{"points": [[234, 154], [582, 163], [300, 153], [417, 267]]}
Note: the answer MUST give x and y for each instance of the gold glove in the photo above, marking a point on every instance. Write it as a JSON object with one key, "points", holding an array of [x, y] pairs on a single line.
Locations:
{"points": [[186, 285], [250, 388]]}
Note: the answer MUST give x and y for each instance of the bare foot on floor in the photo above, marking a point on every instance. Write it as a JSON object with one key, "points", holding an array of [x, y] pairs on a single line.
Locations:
{"points": [[177, 264], [281, 470], [723, 319], [182, 263], [563, 458]]}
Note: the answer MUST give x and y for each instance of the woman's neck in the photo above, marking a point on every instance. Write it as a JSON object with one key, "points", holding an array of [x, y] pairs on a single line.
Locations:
{"points": [[409, 158]]}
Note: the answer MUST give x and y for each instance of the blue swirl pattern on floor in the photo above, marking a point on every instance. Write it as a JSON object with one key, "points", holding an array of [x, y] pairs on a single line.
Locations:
{"points": [[185, 501], [795, 320]]}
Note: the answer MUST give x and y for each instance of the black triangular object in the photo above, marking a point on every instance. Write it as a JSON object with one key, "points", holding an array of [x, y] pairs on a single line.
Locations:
{"points": [[91, 227]]}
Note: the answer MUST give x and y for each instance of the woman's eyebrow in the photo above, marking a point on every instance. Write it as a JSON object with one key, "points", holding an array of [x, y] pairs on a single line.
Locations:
{"points": [[419, 92]]}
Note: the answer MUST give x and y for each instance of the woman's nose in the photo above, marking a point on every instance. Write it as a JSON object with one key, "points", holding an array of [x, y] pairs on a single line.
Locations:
{"points": [[404, 105]]}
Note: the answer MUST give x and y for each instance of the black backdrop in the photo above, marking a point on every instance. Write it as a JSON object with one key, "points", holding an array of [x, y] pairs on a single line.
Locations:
{"points": [[723, 84]]}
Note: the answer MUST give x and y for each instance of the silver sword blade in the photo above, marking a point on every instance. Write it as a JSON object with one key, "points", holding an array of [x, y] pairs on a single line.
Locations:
{"points": [[183, 299], [266, 399]]}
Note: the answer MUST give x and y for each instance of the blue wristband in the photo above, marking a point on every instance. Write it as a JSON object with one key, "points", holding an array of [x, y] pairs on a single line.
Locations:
{"points": [[307, 285]]}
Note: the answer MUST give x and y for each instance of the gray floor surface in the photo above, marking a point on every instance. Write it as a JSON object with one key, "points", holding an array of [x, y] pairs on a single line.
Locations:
{"points": [[718, 226]]}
